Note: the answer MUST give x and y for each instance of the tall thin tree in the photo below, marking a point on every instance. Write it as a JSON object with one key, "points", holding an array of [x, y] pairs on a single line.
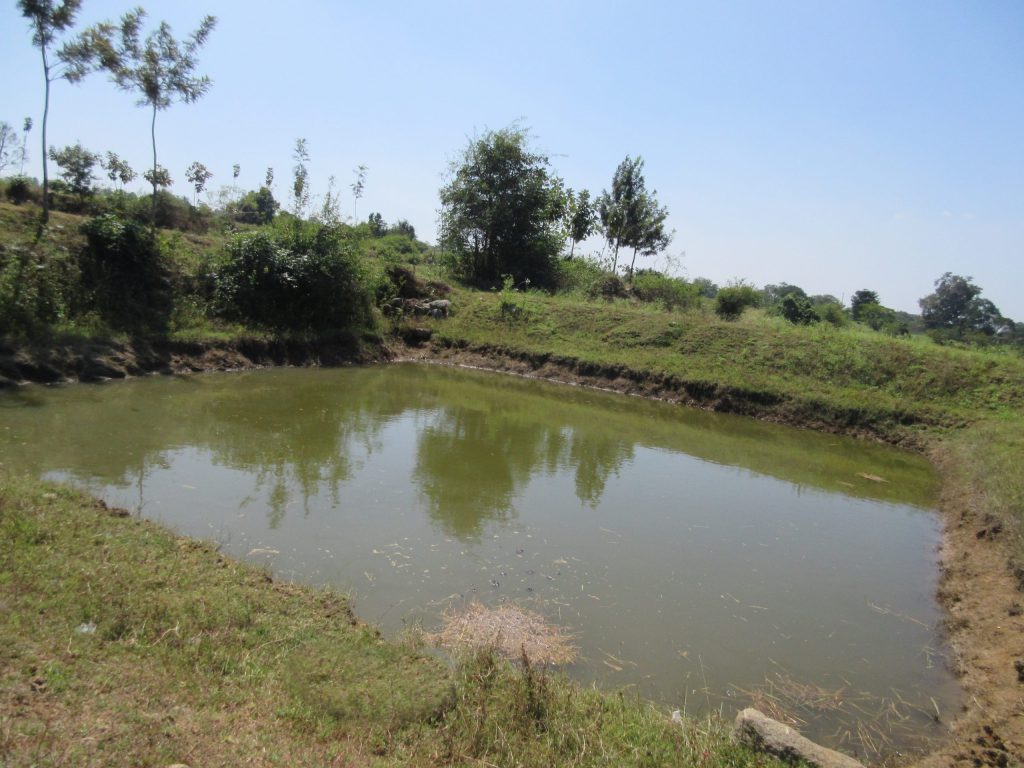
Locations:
{"points": [[49, 21], [357, 190], [160, 68]]}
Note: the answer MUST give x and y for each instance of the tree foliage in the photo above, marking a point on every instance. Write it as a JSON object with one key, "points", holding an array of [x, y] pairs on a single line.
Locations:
{"points": [[76, 164], [197, 175], [630, 215], [255, 207], [304, 277], [581, 217], [957, 306], [859, 300], [797, 309], [159, 68], [118, 170], [500, 210], [49, 21], [126, 274]]}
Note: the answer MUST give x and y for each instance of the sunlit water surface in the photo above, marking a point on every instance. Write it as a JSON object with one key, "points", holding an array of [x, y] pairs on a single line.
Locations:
{"points": [[702, 560]]}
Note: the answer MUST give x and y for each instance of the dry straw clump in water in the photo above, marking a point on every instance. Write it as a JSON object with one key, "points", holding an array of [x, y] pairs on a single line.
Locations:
{"points": [[508, 628]]}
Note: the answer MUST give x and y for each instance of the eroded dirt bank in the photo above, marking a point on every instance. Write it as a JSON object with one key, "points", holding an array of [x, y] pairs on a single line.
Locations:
{"points": [[102, 361], [982, 597]]}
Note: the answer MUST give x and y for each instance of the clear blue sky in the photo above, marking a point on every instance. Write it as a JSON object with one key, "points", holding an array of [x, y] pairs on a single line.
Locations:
{"points": [[835, 145]]}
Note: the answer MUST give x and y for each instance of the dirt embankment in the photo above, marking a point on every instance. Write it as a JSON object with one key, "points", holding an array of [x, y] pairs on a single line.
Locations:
{"points": [[96, 361], [985, 607]]}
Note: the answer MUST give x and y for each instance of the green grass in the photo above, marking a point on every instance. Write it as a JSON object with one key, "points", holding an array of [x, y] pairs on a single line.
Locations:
{"points": [[124, 644]]}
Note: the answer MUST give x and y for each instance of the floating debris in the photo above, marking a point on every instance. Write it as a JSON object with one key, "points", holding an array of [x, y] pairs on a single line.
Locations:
{"points": [[508, 628]]}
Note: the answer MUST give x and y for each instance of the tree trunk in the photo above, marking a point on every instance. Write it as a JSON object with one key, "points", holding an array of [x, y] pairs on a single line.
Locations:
{"points": [[46, 113], [152, 133], [631, 265], [615, 257]]}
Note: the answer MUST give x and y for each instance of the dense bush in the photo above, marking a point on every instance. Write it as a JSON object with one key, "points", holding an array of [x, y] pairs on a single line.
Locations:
{"points": [[126, 274], [797, 309], [607, 286], [34, 290], [832, 312], [670, 292], [19, 190], [731, 301], [295, 277]]}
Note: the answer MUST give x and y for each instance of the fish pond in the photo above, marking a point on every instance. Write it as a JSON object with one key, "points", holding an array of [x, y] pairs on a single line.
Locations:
{"points": [[701, 561]]}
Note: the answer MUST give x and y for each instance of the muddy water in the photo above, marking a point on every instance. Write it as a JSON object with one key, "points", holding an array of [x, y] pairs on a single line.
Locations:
{"points": [[702, 560]]}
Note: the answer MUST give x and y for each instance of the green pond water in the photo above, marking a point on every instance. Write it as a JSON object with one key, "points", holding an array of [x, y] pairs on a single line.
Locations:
{"points": [[701, 560]]}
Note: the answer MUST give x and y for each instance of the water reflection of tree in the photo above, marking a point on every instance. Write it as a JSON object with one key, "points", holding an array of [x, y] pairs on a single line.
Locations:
{"points": [[474, 458], [595, 457], [302, 434]]}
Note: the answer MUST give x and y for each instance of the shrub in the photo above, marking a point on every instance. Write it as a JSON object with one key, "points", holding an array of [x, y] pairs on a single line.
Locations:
{"points": [[126, 274], [797, 309], [731, 301], [671, 292], [34, 290], [833, 313], [297, 277], [608, 286], [19, 190]]}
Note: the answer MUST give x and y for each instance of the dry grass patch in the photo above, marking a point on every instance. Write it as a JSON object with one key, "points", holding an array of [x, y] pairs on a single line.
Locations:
{"points": [[510, 629]]}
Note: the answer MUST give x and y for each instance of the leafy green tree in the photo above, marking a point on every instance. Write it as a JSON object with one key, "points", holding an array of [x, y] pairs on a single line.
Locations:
{"points": [[620, 210], [706, 287], [76, 164], [774, 293], [581, 217], [118, 170], [957, 306], [500, 210], [160, 68], [377, 226], [650, 237], [159, 177], [49, 21], [257, 207], [403, 227], [630, 215], [197, 175], [859, 300]]}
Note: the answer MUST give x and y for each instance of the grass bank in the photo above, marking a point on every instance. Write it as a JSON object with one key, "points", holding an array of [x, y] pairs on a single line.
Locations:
{"points": [[124, 644]]}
